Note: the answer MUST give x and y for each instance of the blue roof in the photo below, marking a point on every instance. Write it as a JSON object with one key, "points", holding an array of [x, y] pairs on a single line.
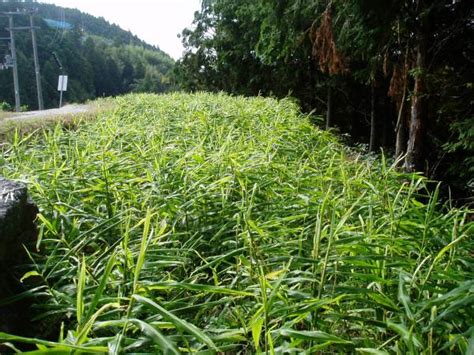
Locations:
{"points": [[58, 24]]}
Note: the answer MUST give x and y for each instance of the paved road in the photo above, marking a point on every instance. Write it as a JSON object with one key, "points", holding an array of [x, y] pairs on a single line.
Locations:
{"points": [[56, 112]]}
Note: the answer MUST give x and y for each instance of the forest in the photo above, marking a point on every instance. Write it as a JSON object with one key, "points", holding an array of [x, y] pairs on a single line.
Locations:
{"points": [[393, 75], [100, 59]]}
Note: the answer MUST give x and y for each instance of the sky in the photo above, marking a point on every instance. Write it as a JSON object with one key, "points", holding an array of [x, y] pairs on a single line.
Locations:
{"points": [[157, 22]]}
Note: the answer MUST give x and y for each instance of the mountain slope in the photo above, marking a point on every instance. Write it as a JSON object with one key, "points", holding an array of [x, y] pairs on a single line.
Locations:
{"points": [[100, 58], [92, 25]]}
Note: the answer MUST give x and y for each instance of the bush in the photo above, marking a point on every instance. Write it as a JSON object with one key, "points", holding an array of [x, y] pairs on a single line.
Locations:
{"points": [[5, 106]]}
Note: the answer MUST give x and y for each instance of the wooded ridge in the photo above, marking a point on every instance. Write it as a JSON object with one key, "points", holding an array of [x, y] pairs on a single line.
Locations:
{"points": [[100, 58]]}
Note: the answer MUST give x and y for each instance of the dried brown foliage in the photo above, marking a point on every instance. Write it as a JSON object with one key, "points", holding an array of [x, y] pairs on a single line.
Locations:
{"points": [[324, 48], [385, 64], [398, 83]]}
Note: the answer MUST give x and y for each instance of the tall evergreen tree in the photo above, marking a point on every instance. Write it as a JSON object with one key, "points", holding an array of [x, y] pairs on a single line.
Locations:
{"points": [[374, 68]]}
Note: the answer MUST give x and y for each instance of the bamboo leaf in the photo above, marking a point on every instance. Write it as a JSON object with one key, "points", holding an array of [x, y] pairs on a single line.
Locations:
{"points": [[178, 322], [65, 347], [81, 283], [317, 336], [100, 290], [256, 327]]}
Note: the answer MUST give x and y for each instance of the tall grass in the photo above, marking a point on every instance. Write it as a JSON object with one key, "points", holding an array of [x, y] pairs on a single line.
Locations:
{"points": [[205, 223]]}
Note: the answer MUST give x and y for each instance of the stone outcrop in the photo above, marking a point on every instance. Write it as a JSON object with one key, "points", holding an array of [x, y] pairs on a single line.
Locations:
{"points": [[17, 229]]}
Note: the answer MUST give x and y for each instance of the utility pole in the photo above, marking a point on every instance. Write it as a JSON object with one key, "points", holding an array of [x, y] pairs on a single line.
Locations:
{"points": [[31, 28], [15, 65], [37, 66]]}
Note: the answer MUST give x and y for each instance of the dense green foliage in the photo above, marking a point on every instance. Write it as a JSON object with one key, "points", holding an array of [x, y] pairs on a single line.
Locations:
{"points": [[204, 222], [398, 73], [101, 59]]}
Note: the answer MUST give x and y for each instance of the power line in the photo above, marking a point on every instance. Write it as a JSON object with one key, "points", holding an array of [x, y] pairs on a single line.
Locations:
{"points": [[14, 60], [55, 37]]}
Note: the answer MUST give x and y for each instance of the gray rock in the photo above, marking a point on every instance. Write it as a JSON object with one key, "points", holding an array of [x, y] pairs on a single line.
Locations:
{"points": [[17, 229]]}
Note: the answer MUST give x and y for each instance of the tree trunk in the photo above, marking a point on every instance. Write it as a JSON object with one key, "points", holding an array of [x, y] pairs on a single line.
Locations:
{"points": [[401, 132], [401, 139], [386, 122], [373, 128], [414, 157], [329, 111]]}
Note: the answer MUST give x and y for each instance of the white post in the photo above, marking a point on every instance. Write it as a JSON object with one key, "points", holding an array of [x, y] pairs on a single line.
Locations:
{"points": [[61, 99], [62, 86]]}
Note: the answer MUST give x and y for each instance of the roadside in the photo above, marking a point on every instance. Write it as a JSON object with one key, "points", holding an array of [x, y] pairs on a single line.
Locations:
{"points": [[25, 116], [30, 121], [4, 115]]}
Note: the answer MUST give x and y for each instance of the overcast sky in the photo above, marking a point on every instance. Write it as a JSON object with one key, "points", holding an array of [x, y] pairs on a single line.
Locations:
{"points": [[157, 22]]}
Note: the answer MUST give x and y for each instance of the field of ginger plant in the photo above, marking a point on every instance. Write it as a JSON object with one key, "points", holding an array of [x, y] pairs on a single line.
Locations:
{"points": [[207, 224]]}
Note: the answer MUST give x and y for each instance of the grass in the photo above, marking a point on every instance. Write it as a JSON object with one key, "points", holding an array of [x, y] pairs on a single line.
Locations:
{"points": [[205, 223], [4, 115]]}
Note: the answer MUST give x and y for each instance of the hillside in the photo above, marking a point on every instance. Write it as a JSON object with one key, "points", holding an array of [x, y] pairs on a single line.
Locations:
{"points": [[216, 224], [92, 25], [100, 58]]}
